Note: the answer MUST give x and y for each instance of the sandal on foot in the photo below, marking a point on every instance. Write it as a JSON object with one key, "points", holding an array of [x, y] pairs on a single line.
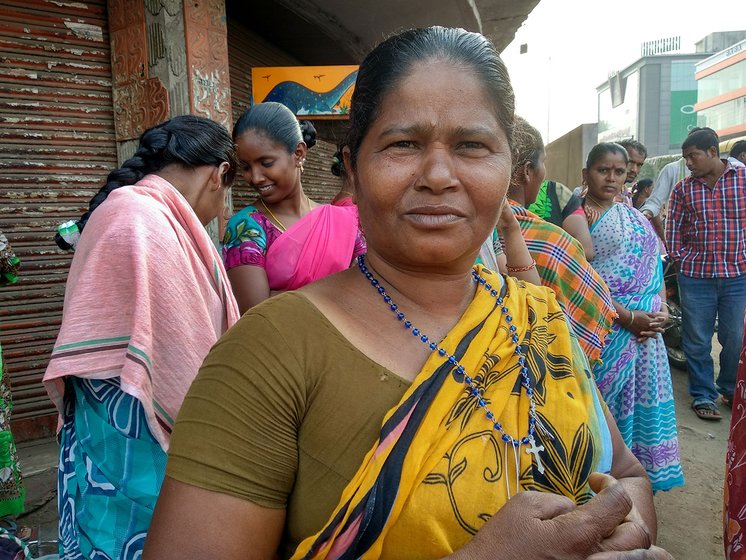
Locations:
{"points": [[707, 411], [727, 401]]}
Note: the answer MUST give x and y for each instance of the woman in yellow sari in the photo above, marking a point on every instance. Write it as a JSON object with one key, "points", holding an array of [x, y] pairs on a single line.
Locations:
{"points": [[413, 406]]}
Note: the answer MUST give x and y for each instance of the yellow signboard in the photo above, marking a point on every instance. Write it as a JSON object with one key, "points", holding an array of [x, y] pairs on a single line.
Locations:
{"points": [[310, 91]]}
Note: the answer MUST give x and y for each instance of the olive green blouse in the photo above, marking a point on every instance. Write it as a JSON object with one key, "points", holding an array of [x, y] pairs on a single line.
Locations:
{"points": [[281, 414]]}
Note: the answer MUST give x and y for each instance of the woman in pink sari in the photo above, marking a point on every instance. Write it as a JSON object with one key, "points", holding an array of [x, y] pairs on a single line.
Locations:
{"points": [[284, 240]]}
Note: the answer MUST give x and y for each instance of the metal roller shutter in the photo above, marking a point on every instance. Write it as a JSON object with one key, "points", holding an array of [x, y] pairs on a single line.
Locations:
{"points": [[56, 147], [246, 50]]}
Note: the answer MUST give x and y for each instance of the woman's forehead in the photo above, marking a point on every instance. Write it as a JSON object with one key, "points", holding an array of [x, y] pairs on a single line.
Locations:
{"points": [[436, 92]]}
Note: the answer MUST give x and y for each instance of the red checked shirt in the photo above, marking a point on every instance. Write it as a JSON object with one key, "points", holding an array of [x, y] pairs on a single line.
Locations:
{"points": [[706, 227]]}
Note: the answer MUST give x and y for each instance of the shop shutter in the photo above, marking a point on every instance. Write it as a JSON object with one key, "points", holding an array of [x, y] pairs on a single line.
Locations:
{"points": [[246, 50], [56, 147]]}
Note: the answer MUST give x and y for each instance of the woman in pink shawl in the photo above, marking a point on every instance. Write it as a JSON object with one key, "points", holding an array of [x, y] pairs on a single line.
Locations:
{"points": [[284, 240], [145, 299]]}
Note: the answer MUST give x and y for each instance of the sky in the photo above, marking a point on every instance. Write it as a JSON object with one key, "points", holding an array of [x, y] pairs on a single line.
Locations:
{"points": [[573, 46]]}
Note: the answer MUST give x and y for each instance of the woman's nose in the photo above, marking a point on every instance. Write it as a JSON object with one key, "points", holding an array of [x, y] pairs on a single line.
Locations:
{"points": [[256, 176], [438, 170]]}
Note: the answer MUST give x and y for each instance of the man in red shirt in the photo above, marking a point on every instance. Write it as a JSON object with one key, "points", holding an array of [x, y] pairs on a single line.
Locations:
{"points": [[706, 233]]}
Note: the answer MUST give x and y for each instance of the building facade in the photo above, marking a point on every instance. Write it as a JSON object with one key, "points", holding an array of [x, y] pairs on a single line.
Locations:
{"points": [[721, 92], [80, 81], [652, 100]]}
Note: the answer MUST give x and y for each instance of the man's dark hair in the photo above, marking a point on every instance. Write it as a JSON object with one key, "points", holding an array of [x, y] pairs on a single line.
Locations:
{"points": [[738, 148], [701, 128], [702, 140], [634, 145]]}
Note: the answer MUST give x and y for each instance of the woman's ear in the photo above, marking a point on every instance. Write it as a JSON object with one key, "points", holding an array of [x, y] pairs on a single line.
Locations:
{"points": [[585, 176], [526, 172], [215, 180], [350, 178], [301, 151]]}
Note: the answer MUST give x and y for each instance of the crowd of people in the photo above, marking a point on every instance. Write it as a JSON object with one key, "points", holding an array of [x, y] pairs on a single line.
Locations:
{"points": [[457, 358]]}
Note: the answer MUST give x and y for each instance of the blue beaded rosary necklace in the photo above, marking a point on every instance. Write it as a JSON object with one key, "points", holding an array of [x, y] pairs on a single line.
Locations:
{"points": [[473, 389]]}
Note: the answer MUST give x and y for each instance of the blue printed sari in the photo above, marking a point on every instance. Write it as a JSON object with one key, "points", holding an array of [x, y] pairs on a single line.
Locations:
{"points": [[110, 473], [634, 377]]}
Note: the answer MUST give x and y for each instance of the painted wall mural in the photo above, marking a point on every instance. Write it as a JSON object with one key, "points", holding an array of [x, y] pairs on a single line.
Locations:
{"points": [[318, 91]]}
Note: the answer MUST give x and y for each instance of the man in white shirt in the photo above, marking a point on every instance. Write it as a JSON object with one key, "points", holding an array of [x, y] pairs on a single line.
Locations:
{"points": [[737, 156]]}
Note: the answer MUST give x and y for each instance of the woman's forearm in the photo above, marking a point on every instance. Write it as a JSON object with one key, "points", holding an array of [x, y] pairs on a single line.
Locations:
{"points": [[624, 315], [520, 263]]}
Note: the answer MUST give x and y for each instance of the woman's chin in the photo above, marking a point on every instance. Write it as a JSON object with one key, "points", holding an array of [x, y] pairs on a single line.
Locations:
{"points": [[437, 257]]}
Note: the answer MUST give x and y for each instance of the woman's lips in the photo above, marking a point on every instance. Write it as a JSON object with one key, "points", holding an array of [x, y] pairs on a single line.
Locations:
{"points": [[433, 216], [263, 189]]}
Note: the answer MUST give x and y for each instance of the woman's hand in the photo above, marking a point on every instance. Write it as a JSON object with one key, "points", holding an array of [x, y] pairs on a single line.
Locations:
{"points": [[546, 526], [644, 325], [652, 553], [506, 221], [518, 260]]}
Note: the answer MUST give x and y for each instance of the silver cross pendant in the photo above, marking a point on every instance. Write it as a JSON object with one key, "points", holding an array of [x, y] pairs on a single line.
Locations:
{"points": [[534, 450]]}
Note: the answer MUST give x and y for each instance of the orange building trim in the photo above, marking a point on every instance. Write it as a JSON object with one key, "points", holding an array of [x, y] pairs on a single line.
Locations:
{"points": [[732, 130], [720, 65], [724, 98]]}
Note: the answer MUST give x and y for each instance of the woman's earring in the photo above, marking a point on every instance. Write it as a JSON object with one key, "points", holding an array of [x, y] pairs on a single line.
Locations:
{"points": [[300, 164]]}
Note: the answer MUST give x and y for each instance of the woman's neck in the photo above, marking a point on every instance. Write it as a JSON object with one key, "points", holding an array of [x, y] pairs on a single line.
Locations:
{"points": [[297, 204], [603, 205], [443, 293], [516, 194]]}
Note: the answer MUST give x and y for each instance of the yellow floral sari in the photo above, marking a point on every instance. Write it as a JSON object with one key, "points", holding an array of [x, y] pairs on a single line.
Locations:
{"points": [[439, 470]]}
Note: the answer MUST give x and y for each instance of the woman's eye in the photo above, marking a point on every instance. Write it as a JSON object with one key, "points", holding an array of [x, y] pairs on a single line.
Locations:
{"points": [[403, 144], [268, 163]]}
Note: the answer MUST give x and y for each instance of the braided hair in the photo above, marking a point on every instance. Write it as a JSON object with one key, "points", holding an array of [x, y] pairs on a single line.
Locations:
{"points": [[186, 140]]}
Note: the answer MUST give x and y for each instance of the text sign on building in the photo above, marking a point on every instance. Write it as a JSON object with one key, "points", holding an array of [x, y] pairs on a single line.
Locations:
{"points": [[661, 46], [312, 91]]}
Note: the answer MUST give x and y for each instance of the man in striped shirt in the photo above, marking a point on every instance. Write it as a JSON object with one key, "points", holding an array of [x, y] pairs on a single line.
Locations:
{"points": [[706, 234]]}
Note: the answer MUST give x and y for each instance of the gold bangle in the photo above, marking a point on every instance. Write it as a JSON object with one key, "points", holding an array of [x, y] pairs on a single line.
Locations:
{"points": [[631, 319], [522, 268]]}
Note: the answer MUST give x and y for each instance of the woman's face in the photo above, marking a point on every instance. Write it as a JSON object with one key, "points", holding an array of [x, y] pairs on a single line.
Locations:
{"points": [[432, 169], [268, 167], [606, 177]]}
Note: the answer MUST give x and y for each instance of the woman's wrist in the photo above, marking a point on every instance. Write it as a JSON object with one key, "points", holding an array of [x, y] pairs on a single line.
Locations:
{"points": [[631, 319], [524, 268], [625, 317]]}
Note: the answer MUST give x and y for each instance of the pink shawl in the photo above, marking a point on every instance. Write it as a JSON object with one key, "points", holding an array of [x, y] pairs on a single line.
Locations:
{"points": [[319, 244], [146, 298]]}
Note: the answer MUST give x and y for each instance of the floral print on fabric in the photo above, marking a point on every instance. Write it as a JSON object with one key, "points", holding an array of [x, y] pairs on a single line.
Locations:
{"points": [[634, 377]]}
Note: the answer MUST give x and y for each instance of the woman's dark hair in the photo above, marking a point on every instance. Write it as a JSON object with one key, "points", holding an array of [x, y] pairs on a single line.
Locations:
{"points": [[338, 168], [388, 63], [278, 123], [186, 140], [600, 150], [638, 188], [527, 144], [702, 140]]}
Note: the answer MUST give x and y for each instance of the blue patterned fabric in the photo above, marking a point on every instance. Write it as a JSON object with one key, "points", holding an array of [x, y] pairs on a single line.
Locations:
{"points": [[634, 377], [110, 473]]}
